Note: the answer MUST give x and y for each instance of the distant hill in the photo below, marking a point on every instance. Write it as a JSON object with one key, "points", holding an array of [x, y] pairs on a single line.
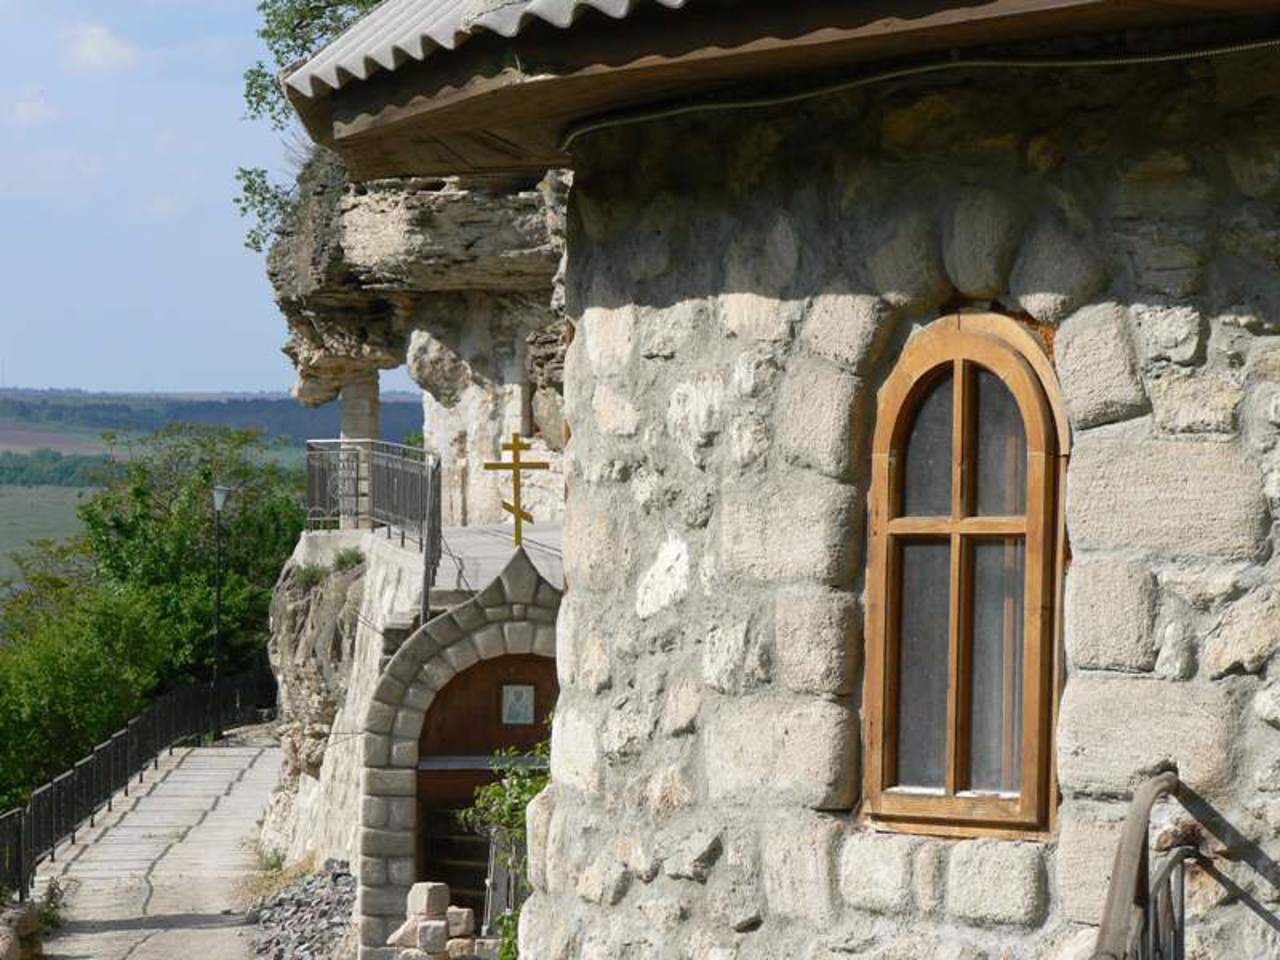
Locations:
{"points": [[40, 412]]}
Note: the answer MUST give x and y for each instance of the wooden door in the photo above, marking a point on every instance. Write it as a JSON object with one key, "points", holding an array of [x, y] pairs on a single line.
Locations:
{"points": [[493, 705]]}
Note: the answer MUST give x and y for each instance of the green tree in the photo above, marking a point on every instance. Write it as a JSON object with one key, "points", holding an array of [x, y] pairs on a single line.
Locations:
{"points": [[291, 30], [153, 527], [93, 626]]}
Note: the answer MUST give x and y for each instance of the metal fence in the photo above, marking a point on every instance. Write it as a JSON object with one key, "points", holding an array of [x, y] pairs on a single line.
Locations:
{"points": [[59, 808], [372, 483]]}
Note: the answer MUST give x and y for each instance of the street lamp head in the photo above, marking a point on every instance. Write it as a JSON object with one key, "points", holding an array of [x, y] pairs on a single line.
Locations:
{"points": [[220, 494]]}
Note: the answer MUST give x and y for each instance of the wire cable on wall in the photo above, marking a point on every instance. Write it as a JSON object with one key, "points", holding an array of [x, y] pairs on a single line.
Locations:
{"points": [[957, 63]]}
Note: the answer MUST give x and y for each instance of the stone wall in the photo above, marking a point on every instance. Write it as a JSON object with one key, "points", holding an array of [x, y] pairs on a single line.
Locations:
{"points": [[470, 354], [327, 647], [736, 309]]}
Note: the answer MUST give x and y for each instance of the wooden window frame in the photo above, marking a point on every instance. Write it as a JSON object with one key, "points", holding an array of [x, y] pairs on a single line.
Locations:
{"points": [[958, 344]]}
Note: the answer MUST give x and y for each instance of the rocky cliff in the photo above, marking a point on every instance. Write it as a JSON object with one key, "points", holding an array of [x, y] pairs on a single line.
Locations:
{"points": [[359, 265], [330, 628], [459, 280], [313, 636]]}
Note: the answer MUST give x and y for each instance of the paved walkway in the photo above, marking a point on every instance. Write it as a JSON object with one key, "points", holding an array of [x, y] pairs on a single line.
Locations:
{"points": [[162, 876]]}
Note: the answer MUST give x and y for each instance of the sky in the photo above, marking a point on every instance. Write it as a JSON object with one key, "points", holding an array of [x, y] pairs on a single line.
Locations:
{"points": [[122, 265]]}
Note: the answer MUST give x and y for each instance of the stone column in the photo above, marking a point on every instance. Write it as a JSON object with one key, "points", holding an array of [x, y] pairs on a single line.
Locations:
{"points": [[359, 422], [360, 408]]}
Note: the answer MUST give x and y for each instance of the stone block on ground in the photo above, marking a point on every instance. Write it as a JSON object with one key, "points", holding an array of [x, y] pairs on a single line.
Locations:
{"points": [[433, 935], [429, 900], [462, 921], [405, 935]]}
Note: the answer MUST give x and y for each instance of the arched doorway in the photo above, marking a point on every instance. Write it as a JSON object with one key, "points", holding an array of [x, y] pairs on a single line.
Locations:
{"points": [[512, 619], [493, 705]]}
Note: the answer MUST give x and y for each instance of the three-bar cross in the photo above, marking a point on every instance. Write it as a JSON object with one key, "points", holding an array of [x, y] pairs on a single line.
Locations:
{"points": [[516, 466]]}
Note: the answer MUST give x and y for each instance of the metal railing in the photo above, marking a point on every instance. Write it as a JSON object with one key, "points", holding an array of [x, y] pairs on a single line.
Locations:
{"points": [[366, 484], [1144, 917], [59, 808], [372, 483]]}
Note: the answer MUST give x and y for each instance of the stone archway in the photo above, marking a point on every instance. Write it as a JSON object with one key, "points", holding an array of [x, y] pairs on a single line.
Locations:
{"points": [[515, 614]]}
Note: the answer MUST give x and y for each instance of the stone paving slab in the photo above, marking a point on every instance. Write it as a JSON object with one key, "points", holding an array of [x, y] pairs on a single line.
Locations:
{"points": [[161, 876]]}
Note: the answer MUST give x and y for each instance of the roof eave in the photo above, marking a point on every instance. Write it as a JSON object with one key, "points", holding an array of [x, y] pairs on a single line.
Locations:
{"points": [[498, 105]]}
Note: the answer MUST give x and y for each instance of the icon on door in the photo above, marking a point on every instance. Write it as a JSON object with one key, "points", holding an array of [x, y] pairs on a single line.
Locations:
{"points": [[517, 704]]}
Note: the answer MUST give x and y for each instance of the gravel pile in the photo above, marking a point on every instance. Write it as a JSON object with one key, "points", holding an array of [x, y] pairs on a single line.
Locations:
{"points": [[309, 919]]}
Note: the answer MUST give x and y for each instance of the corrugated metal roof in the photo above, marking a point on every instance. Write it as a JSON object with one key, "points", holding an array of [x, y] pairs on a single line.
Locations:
{"points": [[399, 31]]}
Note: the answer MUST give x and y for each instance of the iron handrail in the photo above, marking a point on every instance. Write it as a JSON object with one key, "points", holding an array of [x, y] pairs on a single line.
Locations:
{"points": [[1143, 918], [357, 483], [56, 811], [373, 483]]}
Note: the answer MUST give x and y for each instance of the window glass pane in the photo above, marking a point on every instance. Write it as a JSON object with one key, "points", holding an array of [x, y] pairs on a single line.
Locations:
{"points": [[923, 667], [927, 485], [1001, 457], [995, 755]]}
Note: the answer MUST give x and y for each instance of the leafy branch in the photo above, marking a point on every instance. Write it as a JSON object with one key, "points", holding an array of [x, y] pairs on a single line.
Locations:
{"points": [[291, 30]]}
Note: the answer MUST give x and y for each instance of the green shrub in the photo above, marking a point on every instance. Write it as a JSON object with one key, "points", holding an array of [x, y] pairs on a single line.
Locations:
{"points": [[50, 916], [308, 576], [347, 558], [94, 626]]}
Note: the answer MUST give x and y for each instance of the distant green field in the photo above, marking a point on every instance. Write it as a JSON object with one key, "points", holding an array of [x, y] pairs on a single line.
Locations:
{"points": [[35, 513]]}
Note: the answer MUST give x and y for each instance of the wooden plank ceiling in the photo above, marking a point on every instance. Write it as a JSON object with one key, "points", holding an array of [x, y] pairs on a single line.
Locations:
{"points": [[499, 105]]}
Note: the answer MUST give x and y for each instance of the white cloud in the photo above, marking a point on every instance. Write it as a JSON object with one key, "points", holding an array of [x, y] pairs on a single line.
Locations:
{"points": [[30, 109], [93, 48]]}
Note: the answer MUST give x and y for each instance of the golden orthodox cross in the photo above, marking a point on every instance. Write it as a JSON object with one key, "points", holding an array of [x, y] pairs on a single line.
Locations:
{"points": [[516, 466]]}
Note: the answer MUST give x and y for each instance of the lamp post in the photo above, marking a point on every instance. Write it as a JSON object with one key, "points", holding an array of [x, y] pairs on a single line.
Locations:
{"points": [[220, 495]]}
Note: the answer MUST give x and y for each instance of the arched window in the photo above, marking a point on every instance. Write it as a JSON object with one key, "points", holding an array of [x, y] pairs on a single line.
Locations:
{"points": [[962, 582]]}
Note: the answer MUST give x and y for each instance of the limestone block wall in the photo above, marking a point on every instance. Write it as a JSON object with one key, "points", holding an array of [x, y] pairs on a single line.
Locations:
{"points": [[736, 309], [326, 687]]}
